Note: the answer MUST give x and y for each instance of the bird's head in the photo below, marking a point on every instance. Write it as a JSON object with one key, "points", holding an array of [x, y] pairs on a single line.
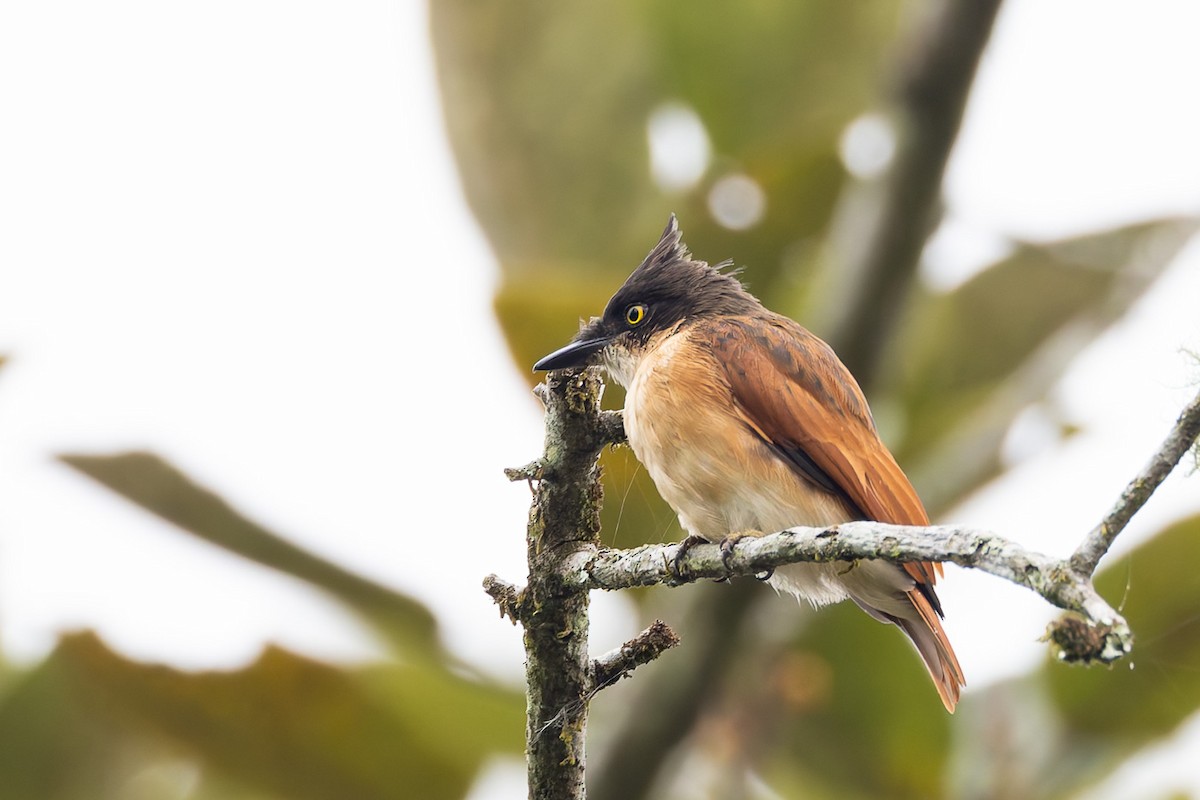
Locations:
{"points": [[669, 287]]}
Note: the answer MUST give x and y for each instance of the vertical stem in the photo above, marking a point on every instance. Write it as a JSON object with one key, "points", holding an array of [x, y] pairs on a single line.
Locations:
{"points": [[565, 518], [929, 95]]}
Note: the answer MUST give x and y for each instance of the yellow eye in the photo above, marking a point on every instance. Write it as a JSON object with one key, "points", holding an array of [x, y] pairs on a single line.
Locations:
{"points": [[635, 314]]}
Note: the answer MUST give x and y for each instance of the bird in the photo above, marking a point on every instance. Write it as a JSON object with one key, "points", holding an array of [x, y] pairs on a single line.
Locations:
{"points": [[749, 424]]}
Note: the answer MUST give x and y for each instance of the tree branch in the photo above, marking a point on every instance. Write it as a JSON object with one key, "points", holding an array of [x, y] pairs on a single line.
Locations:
{"points": [[642, 649], [509, 598], [563, 522], [1064, 583], [530, 472], [882, 247], [566, 562], [1051, 578], [612, 427], [1181, 438]]}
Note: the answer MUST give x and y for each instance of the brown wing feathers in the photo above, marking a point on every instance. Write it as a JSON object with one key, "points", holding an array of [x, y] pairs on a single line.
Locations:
{"points": [[816, 409], [799, 398]]}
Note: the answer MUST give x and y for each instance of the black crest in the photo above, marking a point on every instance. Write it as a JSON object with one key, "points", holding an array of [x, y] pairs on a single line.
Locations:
{"points": [[670, 248], [669, 287], [676, 286]]}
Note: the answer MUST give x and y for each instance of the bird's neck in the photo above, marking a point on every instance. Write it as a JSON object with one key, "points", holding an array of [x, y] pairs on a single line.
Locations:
{"points": [[621, 363], [622, 360]]}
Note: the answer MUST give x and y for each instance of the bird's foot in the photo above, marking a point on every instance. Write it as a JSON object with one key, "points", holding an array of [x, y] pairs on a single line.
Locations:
{"points": [[675, 566], [727, 545]]}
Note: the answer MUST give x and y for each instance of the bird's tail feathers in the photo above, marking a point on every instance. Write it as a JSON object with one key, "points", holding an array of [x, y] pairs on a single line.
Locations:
{"points": [[929, 637]]}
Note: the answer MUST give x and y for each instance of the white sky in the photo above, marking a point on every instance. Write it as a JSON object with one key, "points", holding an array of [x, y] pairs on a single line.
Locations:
{"points": [[232, 232]]}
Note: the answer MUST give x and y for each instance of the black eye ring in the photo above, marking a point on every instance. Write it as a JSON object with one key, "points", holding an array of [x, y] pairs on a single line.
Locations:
{"points": [[635, 314]]}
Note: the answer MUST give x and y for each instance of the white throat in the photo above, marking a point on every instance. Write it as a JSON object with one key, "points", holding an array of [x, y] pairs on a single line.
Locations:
{"points": [[622, 364]]}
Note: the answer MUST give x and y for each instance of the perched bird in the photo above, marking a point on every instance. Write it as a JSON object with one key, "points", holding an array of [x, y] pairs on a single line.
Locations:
{"points": [[748, 424]]}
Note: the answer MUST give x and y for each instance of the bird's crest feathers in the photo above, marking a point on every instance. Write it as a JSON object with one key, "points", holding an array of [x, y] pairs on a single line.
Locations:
{"points": [[670, 248]]}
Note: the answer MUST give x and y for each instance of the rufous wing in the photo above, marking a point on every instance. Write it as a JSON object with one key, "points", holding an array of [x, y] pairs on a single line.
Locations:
{"points": [[796, 395]]}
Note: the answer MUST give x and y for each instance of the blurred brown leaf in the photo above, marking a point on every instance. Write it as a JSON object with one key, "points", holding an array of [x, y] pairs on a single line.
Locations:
{"points": [[285, 725]]}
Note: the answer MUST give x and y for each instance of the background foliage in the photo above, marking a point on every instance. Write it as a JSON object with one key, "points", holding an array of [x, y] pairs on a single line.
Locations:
{"points": [[548, 115], [547, 108]]}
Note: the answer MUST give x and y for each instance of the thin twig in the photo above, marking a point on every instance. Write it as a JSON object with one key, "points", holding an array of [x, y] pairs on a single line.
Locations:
{"points": [[509, 598], [642, 649], [530, 472], [612, 427], [1181, 438]]}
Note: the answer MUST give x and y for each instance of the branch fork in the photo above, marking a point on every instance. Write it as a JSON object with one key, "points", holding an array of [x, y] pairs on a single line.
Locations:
{"points": [[567, 562]]}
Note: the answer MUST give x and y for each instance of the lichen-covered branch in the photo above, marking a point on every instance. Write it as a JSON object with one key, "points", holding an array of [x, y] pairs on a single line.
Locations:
{"points": [[566, 562], [530, 472], [1051, 578], [1181, 438], [1067, 583], [564, 522], [641, 649], [509, 599]]}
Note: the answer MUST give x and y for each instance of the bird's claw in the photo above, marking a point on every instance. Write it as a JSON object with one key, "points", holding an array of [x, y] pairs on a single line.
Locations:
{"points": [[727, 545], [675, 566], [727, 551]]}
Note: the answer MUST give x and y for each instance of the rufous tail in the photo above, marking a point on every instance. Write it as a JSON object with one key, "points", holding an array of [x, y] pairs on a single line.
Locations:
{"points": [[929, 636]]}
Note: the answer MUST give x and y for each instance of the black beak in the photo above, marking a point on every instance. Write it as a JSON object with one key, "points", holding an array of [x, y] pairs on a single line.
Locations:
{"points": [[576, 354]]}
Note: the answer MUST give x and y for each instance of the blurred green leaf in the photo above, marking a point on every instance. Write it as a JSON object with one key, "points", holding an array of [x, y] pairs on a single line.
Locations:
{"points": [[866, 720], [542, 313], [1149, 694], [1070, 727], [286, 726], [547, 109], [633, 513], [152, 483], [974, 357], [53, 748], [554, 157]]}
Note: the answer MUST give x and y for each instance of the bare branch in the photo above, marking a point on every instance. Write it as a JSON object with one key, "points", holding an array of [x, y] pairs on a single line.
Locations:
{"points": [[509, 598], [530, 472], [1181, 438], [612, 427], [642, 649], [882, 247]]}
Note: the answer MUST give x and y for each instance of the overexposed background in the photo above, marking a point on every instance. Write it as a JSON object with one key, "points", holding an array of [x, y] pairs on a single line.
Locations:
{"points": [[233, 233]]}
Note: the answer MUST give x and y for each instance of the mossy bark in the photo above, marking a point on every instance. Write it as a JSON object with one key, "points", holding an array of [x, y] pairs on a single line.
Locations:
{"points": [[564, 519]]}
